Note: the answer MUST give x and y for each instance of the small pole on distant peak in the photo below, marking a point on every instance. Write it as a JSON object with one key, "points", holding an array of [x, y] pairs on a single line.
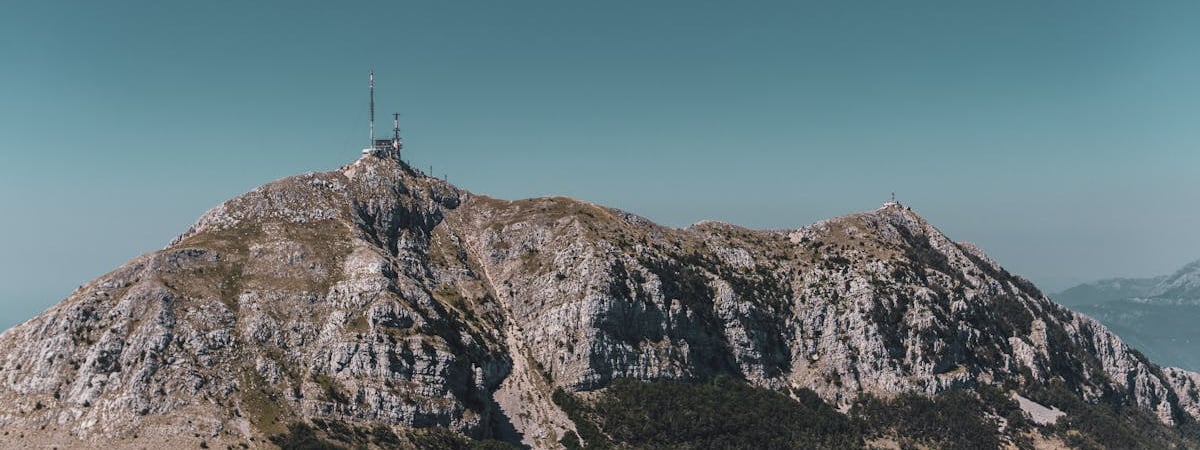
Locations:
{"points": [[396, 134], [371, 85]]}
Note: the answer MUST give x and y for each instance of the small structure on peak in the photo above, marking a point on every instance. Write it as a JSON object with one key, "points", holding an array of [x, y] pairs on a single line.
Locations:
{"points": [[382, 147], [893, 203], [396, 144]]}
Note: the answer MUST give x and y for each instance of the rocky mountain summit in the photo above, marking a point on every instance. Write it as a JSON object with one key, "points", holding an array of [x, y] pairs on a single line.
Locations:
{"points": [[372, 306]]}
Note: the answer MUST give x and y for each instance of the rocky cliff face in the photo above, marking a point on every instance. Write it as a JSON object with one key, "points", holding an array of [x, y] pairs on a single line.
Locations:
{"points": [[374, 298]]}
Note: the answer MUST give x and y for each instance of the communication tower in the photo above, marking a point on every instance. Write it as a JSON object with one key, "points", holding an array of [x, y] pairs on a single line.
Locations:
{"points": [[381, 147]]}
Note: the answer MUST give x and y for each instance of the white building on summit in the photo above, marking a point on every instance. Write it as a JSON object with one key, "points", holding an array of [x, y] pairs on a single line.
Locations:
{"points": [[383, 147], [891, 203]]}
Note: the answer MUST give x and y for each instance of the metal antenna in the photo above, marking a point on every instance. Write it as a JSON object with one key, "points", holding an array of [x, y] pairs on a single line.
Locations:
{"points": [[396, 133], [372, 86]]}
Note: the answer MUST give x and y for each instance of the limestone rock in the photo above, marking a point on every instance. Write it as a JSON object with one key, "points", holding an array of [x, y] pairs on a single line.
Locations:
{"points": [[373, 295]]}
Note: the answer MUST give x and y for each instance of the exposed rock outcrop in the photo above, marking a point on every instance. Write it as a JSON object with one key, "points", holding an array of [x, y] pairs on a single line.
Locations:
{"points": [[376, 296]]}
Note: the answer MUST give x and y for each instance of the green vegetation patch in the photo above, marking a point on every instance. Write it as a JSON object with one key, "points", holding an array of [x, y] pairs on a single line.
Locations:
{"points": [[721, 413], [300, 436], [1111, 424], [324, 245], [952, 420], [438, 438], [331, 389], [328, 434], [726, 412], [263, 405]]}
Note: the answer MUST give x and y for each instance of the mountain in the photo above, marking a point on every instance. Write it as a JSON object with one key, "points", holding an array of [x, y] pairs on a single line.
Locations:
{"points": [[1157, 315], [1183, 286], [375, 307], [1104, 291]]}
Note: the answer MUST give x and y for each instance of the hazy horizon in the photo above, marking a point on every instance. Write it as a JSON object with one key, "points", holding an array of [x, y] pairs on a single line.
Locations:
{"points": [[1058, 137]]}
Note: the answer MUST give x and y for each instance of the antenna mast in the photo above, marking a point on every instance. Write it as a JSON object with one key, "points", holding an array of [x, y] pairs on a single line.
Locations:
{"points": [[372, 86], [396, 133]]}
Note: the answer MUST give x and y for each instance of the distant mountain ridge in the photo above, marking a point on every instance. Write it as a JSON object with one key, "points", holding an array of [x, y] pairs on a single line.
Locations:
{"points": [[1182, 286], [1157, 315], [1107, 290], [375, 307]]}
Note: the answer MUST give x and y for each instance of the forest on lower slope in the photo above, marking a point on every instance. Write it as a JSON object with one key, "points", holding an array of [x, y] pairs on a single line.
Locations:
{"points": [[725, 412]]}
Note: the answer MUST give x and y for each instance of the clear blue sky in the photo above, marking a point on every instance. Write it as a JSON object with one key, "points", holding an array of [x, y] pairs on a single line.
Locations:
{"points": [[1060, 136]]}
